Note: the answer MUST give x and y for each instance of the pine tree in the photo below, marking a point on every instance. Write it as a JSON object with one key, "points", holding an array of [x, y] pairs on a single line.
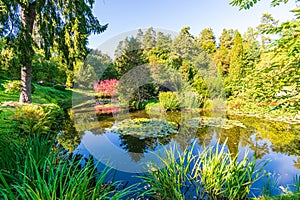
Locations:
{"points": [[207, 40], [236, 57]]}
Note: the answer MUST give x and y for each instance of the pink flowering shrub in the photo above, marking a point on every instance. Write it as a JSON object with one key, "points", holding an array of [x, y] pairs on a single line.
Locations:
{"points": [[106, 88]]}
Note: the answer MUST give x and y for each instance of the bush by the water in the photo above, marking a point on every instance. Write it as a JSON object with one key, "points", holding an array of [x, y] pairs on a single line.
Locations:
{"points": [[140, 105], [212, 174], [169, 100], [106, 88], [40, 119]]}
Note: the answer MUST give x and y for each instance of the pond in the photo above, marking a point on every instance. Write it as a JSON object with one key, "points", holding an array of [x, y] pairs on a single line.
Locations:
{"points": [[275, 142]]}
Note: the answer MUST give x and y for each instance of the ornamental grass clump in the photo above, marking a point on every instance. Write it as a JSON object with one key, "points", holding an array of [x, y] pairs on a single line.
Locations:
{"points": [[169, 100], [213, 173], [41, 172], [174, 179], [223, 176]]}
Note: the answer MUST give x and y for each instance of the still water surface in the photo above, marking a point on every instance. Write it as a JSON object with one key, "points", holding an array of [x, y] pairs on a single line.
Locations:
{"points": [[275, 142]]}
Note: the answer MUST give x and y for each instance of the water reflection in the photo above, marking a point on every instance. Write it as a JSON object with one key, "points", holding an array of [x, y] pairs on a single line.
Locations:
{"points": [[268, 140]]}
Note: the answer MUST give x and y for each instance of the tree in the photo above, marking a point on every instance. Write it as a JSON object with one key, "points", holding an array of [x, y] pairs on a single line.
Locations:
{"points": [[236, 57], [161, 53], [223, 53], [247, 4], [102, 65], [184, 43], [226, 38], [129, 54], [252, 50], [148, 40], [207, 40], [267, 22], [61, 23]]}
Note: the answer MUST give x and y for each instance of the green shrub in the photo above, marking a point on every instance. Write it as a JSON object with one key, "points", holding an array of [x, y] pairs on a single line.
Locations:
{"points": [[14, 86], [41, 119], [140, 105], [169, 100], [208, 104], [60, 87], [153, 107], [191, 100]]}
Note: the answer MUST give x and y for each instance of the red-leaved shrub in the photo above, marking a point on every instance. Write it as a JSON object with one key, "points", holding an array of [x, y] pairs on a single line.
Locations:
{"points": [[106, 88]]}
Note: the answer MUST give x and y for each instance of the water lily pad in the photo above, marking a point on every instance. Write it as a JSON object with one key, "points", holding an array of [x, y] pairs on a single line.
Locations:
{"points": [[144, 128], [218, 122]]}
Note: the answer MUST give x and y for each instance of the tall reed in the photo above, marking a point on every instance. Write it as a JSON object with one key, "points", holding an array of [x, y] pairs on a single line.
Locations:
{"points": [[47, 174], [213, 173], [173, 181]]}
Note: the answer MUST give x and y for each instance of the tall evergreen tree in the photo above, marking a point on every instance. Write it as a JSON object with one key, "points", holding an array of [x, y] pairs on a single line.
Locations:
{"points": [[236, 57], [207, 40], [128, 54], [184, 43], [148, 40], [61, 23], [226, 38], [267, 22]]}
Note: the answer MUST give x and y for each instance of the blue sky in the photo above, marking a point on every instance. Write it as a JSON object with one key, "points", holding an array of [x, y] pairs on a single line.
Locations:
{"points": [[127, 15]]}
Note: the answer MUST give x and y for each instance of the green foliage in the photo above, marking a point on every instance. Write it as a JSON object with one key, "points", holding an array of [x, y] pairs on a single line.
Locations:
{"points": [[8, 60], [184, 44], [236, 57], [213, 173], [191, 100], [13, 86], [218, 122], [247, 4], [173, 180], [169, 100], [102, 64], [59, 87], [144, 128], [252, 51], [267, 22], [40, 172], [41, 119], [129, 54], [153, 107], [140, 105], [48, 24], [223, 176], [48, 70], [207, 40]]}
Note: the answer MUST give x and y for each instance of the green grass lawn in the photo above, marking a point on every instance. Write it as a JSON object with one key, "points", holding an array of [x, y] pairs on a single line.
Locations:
{"points": [[41, 95]]}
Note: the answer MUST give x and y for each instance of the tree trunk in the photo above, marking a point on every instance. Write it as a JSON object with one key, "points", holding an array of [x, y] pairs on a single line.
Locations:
{"points": [[28, 14]]}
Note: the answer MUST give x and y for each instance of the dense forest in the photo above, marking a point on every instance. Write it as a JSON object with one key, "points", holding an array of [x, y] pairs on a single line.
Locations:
{"points": [[54, 89], [259, 69]]}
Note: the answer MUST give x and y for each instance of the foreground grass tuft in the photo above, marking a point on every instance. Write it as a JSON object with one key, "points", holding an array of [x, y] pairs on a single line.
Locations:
{"points": [[41, 172]]}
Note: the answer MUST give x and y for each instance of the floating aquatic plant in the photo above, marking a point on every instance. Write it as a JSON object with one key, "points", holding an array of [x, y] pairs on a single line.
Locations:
{"points": [[144, 128], [218, 122]]}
